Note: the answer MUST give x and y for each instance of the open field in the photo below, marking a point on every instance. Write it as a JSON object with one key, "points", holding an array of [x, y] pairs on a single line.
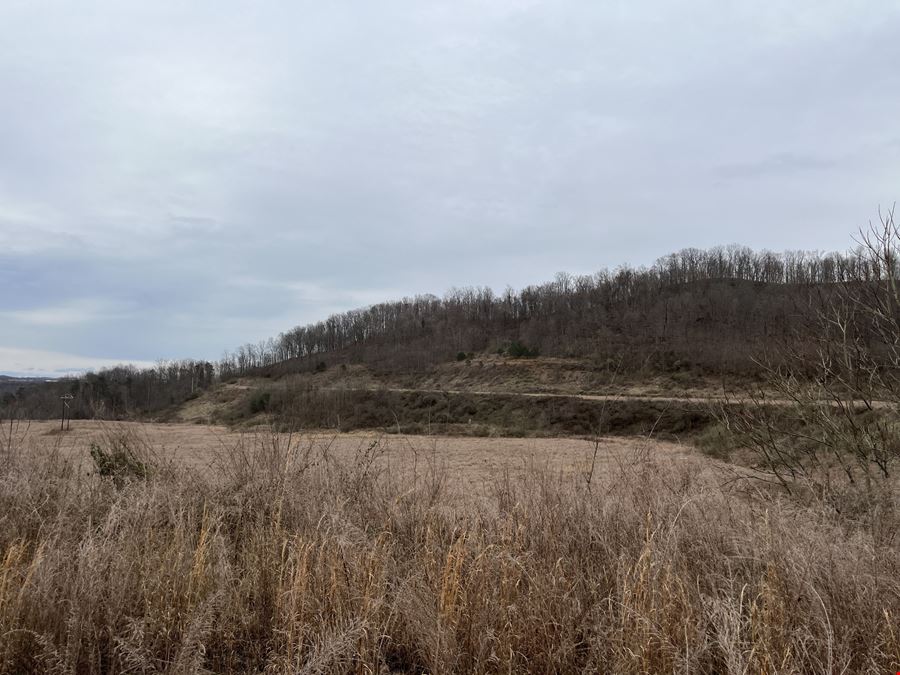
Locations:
{"points": [[467, 463], [188, 549]]}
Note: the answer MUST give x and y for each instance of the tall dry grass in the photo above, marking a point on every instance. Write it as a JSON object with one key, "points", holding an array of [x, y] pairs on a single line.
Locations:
{"points": [[286, 559]]}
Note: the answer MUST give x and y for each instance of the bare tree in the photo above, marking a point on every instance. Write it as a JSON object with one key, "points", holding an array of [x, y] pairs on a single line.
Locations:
{"points": [[828, 418]]}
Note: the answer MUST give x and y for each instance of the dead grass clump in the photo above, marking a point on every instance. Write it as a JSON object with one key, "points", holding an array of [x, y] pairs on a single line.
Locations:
{"points": [[287, 558]]}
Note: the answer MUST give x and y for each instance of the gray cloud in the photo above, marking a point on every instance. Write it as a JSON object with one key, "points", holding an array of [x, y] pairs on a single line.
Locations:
{"points": [[177, 178]]}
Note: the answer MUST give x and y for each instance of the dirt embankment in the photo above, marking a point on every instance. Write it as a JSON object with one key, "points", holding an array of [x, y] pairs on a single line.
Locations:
{"points": [[485, 395]]}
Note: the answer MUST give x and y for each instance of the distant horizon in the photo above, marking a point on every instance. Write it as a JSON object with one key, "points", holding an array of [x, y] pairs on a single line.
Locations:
{"points": [[57, 365]]}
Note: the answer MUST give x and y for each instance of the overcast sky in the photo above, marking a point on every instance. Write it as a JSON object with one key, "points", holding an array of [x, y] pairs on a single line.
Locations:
{"points": [[177, 178]]}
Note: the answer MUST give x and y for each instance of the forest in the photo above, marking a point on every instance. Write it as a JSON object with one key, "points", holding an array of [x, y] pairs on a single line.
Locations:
{"points": [[715, 311]]}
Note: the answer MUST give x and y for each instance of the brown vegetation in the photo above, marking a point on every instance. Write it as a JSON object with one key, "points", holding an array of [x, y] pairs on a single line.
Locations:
{"points": [[462, 413], [839, 435], [465, 461], [283, 557]]}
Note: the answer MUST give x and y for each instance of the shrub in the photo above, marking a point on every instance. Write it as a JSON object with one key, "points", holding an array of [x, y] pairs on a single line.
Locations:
{"points": [[517, 350], [259, 402], [119, 463]]}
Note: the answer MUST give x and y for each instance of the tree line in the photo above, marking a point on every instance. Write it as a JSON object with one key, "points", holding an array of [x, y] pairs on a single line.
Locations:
{"points": [[675, 301], [114, 393], [706, 309]]}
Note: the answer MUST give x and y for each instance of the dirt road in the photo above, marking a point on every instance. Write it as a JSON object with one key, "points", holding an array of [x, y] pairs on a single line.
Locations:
{"points": [[711, 399]]}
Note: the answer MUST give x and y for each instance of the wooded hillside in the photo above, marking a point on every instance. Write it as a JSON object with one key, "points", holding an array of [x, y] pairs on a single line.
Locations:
{"points": [[711, 311]]}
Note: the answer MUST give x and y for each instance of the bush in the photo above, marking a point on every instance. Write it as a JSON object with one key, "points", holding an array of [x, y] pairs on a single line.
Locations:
{"points": [[517, 350], [259, 402], [118, 463]]}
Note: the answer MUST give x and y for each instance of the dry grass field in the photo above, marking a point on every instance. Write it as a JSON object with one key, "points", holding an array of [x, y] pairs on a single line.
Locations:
{"points": [[466, 464], [191, 549]]}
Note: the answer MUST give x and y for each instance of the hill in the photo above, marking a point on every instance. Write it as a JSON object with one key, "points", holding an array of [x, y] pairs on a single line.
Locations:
{"points": [[10, 386], [694, 318]]}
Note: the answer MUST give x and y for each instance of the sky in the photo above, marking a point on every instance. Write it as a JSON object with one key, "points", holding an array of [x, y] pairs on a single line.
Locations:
{"points": [[179, 178]]}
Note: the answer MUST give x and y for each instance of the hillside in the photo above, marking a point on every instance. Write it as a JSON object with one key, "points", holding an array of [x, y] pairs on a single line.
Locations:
{"points": [[695, 320]]}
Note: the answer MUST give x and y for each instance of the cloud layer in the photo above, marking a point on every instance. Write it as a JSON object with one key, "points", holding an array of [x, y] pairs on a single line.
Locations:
{"points": [[178, 178]]}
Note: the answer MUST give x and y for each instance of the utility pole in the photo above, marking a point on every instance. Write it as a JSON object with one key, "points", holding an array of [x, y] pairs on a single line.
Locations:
{"points": [[66, 412]]}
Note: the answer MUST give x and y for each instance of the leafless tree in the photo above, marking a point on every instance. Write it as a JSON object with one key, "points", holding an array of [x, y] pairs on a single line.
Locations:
{"points": [[828, 417]]}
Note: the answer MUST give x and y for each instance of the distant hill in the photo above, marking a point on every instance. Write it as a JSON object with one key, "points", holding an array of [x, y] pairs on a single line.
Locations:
{"points": [[710, 310], [11, 385], [694, 314]]}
